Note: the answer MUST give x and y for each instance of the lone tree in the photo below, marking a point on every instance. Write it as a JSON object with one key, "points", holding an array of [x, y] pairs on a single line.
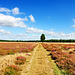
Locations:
{"points": [[42, 37]]}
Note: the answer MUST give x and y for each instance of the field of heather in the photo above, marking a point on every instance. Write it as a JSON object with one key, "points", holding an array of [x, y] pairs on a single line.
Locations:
{"points": [[11, 48], [30, 58], [9, 52], [63, 55]]}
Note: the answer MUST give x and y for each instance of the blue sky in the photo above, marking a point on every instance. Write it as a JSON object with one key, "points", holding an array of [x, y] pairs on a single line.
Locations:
{"points": [[28, 19]]}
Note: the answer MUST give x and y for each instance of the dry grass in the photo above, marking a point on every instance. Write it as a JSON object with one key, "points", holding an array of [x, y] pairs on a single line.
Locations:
{"points": [[9, 59]]}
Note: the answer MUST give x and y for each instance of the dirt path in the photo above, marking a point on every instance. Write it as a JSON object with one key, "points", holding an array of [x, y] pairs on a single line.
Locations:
{"points": [[40, 64]]}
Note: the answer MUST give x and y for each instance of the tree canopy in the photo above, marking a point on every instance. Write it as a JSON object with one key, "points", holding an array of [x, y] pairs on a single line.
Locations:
{"points": [[42, 37]]}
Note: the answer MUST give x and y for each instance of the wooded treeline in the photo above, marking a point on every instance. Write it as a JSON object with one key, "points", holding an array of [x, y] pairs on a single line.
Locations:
{"points": [[51, 40]]}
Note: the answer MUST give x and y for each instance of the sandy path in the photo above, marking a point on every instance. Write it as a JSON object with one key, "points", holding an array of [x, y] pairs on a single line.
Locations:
{"points": [[40, 64]]}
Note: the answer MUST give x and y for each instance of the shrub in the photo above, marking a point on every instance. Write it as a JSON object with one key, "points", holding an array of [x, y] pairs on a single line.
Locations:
{"points": [[63, 57], [19, 62], [12, 70], [21, 58]]}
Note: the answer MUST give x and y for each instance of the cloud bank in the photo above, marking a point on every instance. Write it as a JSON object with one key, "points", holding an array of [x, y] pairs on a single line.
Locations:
{"points": [[10, 21]]}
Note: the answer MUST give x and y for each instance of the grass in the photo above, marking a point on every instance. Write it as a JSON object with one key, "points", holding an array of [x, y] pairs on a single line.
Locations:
{"points": [[57, 71], [55, 68]]}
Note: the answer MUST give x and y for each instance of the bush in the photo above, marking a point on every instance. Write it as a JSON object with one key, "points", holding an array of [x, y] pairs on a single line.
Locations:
{"points": [[19, 62], [21, 58], [12, 70]]}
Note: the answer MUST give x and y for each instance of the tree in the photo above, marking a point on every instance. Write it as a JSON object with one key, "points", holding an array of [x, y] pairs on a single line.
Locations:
{"points": [[42, 37]]}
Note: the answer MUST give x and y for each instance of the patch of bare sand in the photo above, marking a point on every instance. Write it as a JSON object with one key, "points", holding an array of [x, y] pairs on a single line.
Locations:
{"points": [[40, 64]]}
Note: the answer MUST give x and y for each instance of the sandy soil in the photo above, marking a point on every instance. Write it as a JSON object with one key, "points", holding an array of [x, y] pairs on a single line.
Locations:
{"points": [[40, 64]]}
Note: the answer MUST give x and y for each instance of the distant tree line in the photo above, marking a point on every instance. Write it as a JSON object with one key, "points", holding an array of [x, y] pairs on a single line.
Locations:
{"points": [[61, 40], [42, 39], [51, 40]]}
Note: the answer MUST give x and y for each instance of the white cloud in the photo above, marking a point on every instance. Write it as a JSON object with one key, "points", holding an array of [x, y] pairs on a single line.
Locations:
{"points": [[5, 10], [2, 31], [53, 34], [26, 19], [32, 18], [19, 36], [25, 36], [15, 11], [73, 25], [73, 20], [31, 33], [33, 30], [34, 36], [10, 21]]}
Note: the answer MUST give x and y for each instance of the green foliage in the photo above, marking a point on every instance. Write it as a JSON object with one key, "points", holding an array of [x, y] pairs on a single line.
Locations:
{"points": [[42, 38]]}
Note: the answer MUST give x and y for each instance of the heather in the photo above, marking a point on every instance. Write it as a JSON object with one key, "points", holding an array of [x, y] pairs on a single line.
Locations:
{"points": [[12, 70], [14, 57], [20, 60], [12, 48], [63, 55]]}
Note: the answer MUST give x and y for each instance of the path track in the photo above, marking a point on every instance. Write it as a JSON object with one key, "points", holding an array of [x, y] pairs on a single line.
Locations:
{"points": [[39, 64]]}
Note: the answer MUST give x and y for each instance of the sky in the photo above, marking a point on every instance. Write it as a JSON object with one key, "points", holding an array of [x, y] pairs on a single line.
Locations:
{"points": [[28, 19]]}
